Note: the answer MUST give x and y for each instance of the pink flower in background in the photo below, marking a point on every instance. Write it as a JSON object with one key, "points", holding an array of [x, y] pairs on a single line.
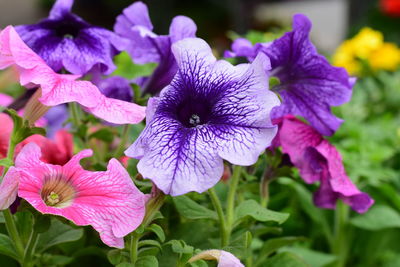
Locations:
{"points": [[58, 151], [319, 161], [107, 200], [5, 100], [6, 126], [62, 88]]}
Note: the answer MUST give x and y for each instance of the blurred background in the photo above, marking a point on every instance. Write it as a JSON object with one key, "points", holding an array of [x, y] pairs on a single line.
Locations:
{"points": [[333, 20]]}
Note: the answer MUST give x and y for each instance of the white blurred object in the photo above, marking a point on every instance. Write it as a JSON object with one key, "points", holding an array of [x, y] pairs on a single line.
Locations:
{"points": [[329, 18], [18, 12]]}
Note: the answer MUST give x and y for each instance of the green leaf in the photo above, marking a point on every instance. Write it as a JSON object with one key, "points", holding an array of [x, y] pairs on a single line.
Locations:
{"points": [[126, 68], [192, 210], [149, 242], [22, 127], [114, 256], [42, 223], [199, 263], [285, 259], [312, 257], [126, 264], [54, 260], [7, 247], [58, 233], [377, 218], [158, 231], [253, 209], [180, 247], [147, 261], [6, 162], [273, 244], [103, 134], [148, 251]]}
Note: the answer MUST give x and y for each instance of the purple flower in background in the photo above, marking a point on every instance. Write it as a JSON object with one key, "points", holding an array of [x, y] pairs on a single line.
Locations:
{"points": [[56, 117], [116, 87], [319, 161], [65, 41], [145, 46], [211, 111], [309, 85]]}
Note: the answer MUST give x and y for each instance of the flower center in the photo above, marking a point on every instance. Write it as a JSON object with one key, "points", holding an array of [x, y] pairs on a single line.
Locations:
{"points": [[57, 191], [194, 120], [67, 28], [192, 113]]}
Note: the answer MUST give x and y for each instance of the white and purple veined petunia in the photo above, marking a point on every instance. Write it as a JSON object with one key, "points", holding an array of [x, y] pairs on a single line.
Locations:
{"points": [[210, 112]]}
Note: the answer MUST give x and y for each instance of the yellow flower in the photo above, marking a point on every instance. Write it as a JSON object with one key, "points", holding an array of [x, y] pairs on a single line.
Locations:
{"points": [[366, 41], [387, 57], [345, 57]]}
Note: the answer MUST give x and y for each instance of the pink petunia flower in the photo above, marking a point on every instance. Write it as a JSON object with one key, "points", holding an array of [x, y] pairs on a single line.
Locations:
{"points": [[319, 161], [107, 200], [58, 151], [57, 88], [225, 259]]}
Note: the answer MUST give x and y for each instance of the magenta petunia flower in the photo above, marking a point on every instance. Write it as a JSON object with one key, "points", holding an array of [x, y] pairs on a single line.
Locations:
{"points": [[309, 85], [319, 161], [211, 111], [65, 41], [107, 200], [145, 46], [62, 88]]}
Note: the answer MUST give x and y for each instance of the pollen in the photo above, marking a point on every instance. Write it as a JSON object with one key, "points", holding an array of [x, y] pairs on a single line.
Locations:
{"points": [[52, 199]]}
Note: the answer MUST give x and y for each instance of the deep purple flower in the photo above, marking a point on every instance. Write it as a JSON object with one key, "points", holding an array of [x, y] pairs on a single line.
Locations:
{"points": [[65, 41], [211, 111], [116, 87], [146, 46], [309, 85]]}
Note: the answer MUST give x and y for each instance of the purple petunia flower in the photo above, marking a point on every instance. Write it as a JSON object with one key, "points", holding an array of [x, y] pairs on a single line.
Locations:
{"points": [[145, 46], [211, 111], [116, 87], [65, 41], [309, 85]]}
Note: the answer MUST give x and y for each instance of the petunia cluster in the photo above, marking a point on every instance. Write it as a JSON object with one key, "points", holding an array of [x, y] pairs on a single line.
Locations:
{"points": [[204, 114], [309, 86]]}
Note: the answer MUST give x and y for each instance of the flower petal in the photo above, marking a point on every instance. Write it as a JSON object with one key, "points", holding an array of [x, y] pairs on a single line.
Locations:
{"points": [[243, 128], [182, 27], [9, 188], [60, 8], [178, 160], [191, 51]]}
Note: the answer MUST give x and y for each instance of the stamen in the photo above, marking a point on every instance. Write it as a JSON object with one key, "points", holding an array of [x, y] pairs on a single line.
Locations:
{"points": [[194, 120], [68, 36], [57, 191], [52, 199]]}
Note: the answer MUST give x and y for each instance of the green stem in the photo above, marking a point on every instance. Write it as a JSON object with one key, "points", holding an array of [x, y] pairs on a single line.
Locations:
{"points": [[13, 232], [124, 138], [30, 248], [340, 242], [221, 216], [230, 202], [75, 114], [152, 206], [134, 247]]}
